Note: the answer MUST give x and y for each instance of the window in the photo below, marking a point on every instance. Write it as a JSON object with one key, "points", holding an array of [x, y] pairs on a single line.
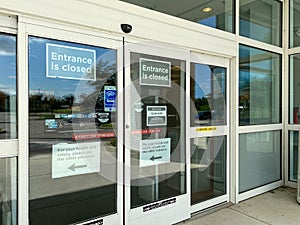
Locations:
{"points": [[215, 13], [259, 86], [261, 20], [8, 101], [208, 92], [294, 23], [293, 155], [208, 168], [294, 88], [8, 191], [259, 159]]}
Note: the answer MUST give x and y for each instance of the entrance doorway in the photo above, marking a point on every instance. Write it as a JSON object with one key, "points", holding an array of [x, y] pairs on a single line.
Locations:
{"points": [[145, 141]]}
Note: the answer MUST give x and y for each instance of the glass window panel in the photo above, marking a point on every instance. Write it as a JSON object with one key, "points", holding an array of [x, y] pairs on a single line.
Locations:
{"points": [[8, 191], [212, 13], [72, 118], [259, 86], [294, 23], [259, 159], [294, 88], [293, 155], [208, 94], [8, 74], [208, 168], [261, 20]]}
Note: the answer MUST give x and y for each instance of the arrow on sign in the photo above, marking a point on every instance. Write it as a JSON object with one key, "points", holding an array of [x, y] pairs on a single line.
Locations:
{"points": [[157, 157], [73, 167]]}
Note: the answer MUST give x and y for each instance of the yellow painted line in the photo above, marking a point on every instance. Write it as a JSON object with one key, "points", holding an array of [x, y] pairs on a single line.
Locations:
{"points": [[203, 129]]}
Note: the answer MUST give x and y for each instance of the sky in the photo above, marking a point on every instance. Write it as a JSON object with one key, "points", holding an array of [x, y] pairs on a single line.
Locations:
{"points": [[8, 63]]}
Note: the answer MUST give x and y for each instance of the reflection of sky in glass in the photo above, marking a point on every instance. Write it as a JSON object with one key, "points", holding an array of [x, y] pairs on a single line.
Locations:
{"points": [[8, 64], [210, 21], [213, 22], [202, 80], [255, 31], [261, 63], [58, 86]]}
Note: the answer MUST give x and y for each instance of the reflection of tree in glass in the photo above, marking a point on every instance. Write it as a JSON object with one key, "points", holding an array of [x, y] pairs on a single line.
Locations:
{"points": [[42, 103], [201, 104], [88, 101], [3, 97], [105, 76]]}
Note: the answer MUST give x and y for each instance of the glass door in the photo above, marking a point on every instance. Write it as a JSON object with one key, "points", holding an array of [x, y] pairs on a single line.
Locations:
{"points": [[208, 131], [155, 135], [73, 144]]}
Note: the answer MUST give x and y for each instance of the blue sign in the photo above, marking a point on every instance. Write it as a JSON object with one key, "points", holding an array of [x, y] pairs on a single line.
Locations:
{"points": [[51, 124], [70, 62], [110, 93]]}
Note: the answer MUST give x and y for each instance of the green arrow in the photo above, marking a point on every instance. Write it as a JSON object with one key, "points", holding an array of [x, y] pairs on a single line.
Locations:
{"points": [[73, 167]]}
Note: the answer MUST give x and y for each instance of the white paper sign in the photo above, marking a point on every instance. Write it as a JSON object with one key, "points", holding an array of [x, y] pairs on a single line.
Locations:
{"points": [[156, 115], [75, 159], [154, 151]]}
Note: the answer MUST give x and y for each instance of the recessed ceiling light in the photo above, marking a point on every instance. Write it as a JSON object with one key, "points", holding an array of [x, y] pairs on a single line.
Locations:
{"points": [[207, 9]]}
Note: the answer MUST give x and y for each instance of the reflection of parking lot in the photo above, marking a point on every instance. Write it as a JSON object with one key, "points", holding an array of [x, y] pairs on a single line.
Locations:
{"points": [[61, 128], [203, 118], [7, 126]]}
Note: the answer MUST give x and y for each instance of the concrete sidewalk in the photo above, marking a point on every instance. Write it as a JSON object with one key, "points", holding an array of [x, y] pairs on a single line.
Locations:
{"points": [[278, 207]]}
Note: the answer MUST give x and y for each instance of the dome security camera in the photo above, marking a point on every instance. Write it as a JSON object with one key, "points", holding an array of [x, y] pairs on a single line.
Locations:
{"points": [[126, 28]]}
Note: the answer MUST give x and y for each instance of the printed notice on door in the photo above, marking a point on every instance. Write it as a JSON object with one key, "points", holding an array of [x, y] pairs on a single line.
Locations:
{"points": [[156, 115], [155, 73], [75, 159], [154, 151], [70, 62]]}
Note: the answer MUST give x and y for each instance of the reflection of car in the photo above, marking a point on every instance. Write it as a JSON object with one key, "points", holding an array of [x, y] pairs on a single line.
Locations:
{"points": [[204, 115], [80, 118], [83, 119]]}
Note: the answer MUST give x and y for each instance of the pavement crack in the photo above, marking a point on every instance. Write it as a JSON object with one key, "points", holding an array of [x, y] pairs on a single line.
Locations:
{"points": [[250, 216]]}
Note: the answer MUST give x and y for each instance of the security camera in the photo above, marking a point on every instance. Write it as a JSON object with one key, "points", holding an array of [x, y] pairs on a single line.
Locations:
{"points": [[126, 28]]}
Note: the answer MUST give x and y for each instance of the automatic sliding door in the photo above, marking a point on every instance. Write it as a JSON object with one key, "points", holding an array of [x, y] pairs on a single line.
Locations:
{"points": [[209, 133], [72, 121], [156, 137]]}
